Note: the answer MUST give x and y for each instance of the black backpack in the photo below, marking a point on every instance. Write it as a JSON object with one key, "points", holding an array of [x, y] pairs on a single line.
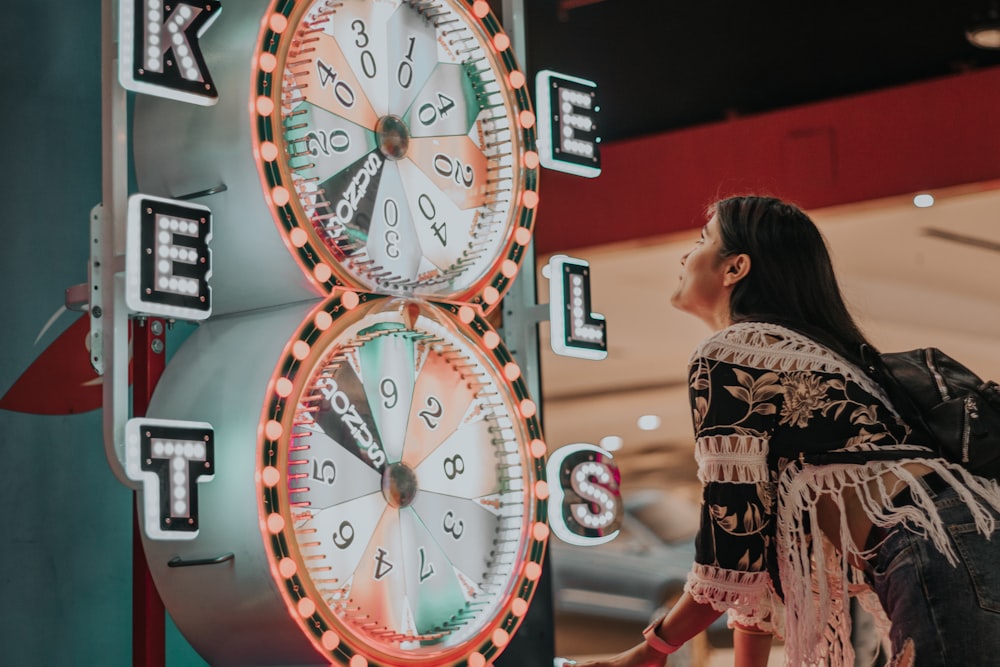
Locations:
{"points": [[944, 403]]}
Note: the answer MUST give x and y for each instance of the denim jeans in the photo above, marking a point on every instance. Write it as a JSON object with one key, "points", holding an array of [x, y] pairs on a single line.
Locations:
{"points": [[951, 613]]}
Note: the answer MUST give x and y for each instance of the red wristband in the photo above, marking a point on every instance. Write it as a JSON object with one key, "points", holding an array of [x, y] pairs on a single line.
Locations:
{"points": [[656, 642]]}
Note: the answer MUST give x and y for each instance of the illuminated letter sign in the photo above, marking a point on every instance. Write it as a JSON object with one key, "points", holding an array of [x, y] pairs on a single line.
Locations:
{"points": [[567, 128], [169, 458], [158, 49], [584, 480], [167, 259], [574, 330]]}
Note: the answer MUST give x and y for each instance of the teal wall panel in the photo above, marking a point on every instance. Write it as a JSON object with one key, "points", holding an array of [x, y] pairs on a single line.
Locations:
{"points": [[66, 560]]}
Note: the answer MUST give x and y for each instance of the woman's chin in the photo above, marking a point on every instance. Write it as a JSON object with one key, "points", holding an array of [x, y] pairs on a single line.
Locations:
{"points": [[677, 301]]}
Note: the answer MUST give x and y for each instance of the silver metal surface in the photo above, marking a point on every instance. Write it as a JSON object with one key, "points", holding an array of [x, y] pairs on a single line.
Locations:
{"points": [[221, 375]]}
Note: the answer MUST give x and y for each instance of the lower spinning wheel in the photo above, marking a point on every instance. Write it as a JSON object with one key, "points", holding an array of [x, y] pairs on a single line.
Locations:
{"points": [[399, 484]]}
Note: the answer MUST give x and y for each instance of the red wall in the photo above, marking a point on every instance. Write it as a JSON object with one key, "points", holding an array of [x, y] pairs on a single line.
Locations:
{"points": [[935, 134]]}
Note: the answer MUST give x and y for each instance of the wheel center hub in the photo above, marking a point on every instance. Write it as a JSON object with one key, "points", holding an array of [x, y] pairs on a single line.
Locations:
{"points": [[393, 137], [399, 485]]}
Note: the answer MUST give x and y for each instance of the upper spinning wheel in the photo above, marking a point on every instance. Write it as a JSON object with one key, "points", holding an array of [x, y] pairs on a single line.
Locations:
{"points": [[396, 142]]}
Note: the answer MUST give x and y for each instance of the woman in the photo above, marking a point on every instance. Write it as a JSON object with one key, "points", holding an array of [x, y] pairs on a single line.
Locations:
{"points": [[786, 539]]}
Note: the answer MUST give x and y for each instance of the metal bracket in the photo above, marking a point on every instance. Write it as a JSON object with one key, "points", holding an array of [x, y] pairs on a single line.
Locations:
{"points": [[90, 295], [109, 335], [96, 285], [540, 312]]}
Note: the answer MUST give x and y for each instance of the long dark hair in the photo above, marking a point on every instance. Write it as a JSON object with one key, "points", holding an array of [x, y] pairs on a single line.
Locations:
{"points": [[791, 279]]}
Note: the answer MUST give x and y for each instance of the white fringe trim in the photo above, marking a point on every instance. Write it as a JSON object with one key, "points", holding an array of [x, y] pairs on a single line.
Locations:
{"points": [[748, 597], [774, 347], [739, 459], [818, 581]]}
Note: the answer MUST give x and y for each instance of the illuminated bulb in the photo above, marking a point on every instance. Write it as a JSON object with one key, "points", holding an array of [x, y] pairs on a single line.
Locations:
{"points": [[275, 523], [280, 194], [287, 567], [278, 23], [330, 640], [267, 62], [273, 429], [268, 151], [612, 443], [501, 637], [322, 272], [540, 531], [648, 423], [300, 349], [265, 106], [491, 295], [283, 387], [306, 607], [538, 448], [298, 237], [923, 200], [350, 300], [480, 8], [323, 320], [271, 476]]}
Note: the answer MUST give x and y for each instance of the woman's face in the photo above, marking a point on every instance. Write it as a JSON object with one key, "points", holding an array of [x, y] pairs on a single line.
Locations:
{"points": [[702, 289]]}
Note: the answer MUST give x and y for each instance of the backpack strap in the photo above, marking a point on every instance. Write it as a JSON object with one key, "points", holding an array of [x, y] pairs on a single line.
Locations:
{"points": [[902, 401]]}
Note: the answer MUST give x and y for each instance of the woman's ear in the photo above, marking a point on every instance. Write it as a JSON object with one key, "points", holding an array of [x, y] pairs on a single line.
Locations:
{"points": [[738, 266]]}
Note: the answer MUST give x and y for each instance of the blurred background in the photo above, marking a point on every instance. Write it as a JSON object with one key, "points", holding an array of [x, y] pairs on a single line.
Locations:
{"points": [[877, 118]]}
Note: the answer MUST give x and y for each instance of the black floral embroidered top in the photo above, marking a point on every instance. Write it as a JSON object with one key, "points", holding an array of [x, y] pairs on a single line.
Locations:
{"points": [[761, 397]]}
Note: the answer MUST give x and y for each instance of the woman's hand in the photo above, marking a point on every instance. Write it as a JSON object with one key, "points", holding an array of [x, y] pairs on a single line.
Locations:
{"points": [[640, 655], [684, 620]]}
